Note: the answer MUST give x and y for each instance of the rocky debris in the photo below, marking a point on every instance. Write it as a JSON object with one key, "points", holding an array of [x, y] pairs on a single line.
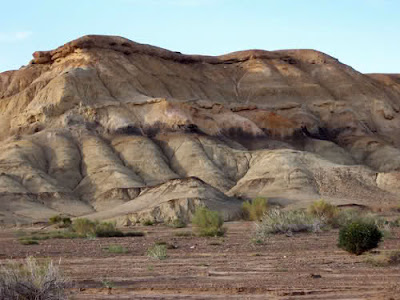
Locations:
{"points": [[97, 124], [172, 200]]}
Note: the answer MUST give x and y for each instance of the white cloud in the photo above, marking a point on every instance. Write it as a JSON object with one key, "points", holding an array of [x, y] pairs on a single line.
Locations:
{"points": [[10, 37]]}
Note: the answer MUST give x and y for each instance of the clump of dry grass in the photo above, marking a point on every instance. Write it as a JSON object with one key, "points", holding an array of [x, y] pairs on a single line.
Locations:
{"points": [[280, 221], [157, 251], [255, 209], [32, 280], [208, 222], [391, 258], [326, 212]]}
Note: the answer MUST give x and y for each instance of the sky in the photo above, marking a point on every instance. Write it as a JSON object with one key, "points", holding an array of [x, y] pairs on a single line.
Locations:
{"points": [[364, 34]]}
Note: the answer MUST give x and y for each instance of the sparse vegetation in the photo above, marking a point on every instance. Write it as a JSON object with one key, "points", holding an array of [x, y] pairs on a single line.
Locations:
{"points": [[326, 212], [157, 251], [208, 222], [346, 216], [80, 228], [32, 239], [255, 209], [88, 228], [215, 243], [60, 221], [84, 227], [257, 241], [107, 229], [280, 221], [147, 222], [150, 268], [133, 233], [395, 223], [32, 280], [183, 233], [167, 245], [108, 285], [359, 236], [115, 249], [391, 258], [28, 242], [55, 235], [160, 243], [177, 223]]}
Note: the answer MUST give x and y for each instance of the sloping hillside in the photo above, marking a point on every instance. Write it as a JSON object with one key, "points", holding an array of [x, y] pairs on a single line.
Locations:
{"points": [[106, 127]]}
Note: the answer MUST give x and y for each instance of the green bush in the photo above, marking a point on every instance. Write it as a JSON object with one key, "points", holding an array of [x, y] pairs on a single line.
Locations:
{"points": [[255, 209], [280, 221], [208, 222], [359, 236], [325, 211]]}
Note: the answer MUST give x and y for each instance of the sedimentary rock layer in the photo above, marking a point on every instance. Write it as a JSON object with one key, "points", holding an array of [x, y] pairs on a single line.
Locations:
{"points": [[118, 129]]}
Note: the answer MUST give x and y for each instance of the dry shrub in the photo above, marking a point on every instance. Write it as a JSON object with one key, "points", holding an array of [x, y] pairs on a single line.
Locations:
{"points": [[84, 227], [279, 221], [177, 223], [107, 229], [387, 259], [208, 222], [326, 212], [60, 221], [255, 209], [158, 251], [394, 258], [32, 280]]}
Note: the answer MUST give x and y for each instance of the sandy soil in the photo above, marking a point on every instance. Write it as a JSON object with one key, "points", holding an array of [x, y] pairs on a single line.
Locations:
{"points": [[305, 266]]}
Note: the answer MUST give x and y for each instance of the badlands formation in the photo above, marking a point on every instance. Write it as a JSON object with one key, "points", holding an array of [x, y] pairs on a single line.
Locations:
{"points": [[107, 128]]}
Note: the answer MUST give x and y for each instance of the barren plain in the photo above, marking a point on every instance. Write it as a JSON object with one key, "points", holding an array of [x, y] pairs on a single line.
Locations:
{"points": [[303, 266]]}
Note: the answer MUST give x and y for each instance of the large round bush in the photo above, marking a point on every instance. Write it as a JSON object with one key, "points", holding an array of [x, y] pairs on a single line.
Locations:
{"points": [[358, 237]]}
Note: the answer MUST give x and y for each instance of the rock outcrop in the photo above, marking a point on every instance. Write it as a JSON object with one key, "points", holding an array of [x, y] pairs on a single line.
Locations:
{"points": [[112, 129]]}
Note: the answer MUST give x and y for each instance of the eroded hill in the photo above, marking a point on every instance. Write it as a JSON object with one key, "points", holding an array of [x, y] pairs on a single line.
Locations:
{"points": [[109, 128]]}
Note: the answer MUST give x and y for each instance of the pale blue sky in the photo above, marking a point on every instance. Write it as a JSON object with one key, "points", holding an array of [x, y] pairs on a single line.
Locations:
{"points": [[362, 33]]}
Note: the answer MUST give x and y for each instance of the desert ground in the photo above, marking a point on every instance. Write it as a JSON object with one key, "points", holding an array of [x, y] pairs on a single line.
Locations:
{"points": [[302, 266], [108, 129]]}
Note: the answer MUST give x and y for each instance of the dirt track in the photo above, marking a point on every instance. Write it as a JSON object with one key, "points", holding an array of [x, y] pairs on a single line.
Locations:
{"points": [[305, 266]]}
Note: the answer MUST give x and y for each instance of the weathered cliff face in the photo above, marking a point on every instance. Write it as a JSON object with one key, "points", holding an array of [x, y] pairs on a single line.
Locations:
{"points": [[117, 129]]}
